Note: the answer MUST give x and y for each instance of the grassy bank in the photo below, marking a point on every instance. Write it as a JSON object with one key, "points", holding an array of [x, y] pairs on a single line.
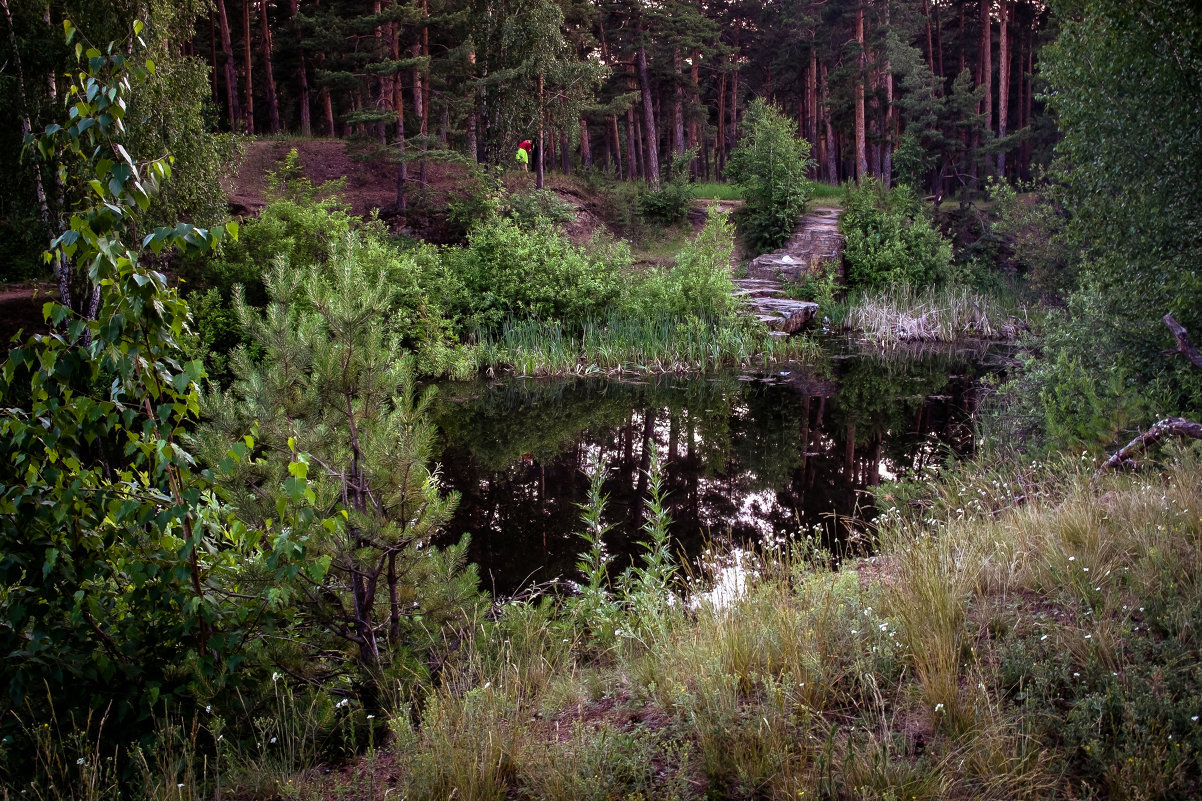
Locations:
{"points": [[1022, 631]]}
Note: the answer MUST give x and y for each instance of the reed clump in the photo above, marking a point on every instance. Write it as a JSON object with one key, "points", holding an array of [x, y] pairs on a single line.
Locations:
{"points": [[905, 313]]}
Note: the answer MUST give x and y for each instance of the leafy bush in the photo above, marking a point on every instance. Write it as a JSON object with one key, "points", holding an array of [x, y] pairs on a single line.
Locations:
{"points": [[527, 208], [670, 203], [508, 271], [770, 165], [1034, 227], [889, 240]]}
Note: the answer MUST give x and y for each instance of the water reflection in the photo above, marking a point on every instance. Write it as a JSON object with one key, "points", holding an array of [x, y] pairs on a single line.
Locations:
{"points": [[745, 457]]}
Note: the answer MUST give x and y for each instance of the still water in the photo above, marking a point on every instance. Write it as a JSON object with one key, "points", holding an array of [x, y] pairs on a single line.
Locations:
{"points": [[745, 456]]}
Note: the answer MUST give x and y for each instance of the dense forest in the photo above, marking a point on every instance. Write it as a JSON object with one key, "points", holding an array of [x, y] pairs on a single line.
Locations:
{"points": [[229, 561]]}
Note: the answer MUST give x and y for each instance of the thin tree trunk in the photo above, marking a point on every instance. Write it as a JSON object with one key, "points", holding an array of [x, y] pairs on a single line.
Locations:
{"points": [[231, 77], [694, 144], [678, 105], [720, 142], [652, 133], [632, 159], [616, 154], [273, 104], [398, 106], [986, 64], [732, 117], [306, 122], [249, 118], [214, 73], [832, 168], [861, 133], [586, 146], [538, 176], [565, 152], [1003, 82], [1029, 77], [926, 10], [425, 130], [327, 111], [890, 120], [939, 48]]}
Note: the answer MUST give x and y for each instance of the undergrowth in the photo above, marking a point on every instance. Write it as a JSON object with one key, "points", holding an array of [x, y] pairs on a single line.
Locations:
{"points": [[1020, 631]]}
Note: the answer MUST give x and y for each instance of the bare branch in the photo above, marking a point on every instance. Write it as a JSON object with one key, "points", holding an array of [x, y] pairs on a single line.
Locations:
{"points": [[1169, 425], [1184, 345]]}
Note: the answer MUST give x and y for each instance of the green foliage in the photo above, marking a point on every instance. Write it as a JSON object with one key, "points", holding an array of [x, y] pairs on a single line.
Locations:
{"points": [[527, 208], [168, 113], [1124, 86], [340, 463], [119, 564], [820, 286], [307, 227], [770, 166], [1034, 226], [508, 270], [669, 204], [699, 284], [889, 239]]}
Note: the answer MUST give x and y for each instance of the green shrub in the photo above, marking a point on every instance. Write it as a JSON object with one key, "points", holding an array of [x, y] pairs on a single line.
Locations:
{"points": [[770, 166], [889, 240], [509, 271], [670, 203], [699, 285], [527, 208]]}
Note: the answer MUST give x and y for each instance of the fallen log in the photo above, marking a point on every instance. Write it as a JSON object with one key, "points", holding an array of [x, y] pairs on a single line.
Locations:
{"points": [[1178, 426]]}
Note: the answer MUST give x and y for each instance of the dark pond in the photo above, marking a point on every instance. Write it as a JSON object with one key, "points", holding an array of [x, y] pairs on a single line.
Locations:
{"points": [[745, 456]]}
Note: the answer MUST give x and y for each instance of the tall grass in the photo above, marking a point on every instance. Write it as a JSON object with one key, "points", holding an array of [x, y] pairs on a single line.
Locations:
{"points": [[639, 345]]}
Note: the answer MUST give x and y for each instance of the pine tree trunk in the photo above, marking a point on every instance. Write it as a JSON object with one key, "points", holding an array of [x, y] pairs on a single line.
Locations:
{"points": [[651, 132], [632, 149], [249, 117], [986, 64], [327, 111], [1003, 82], [720, 142], [214, 72], [732, 117], [382, 88], [938, 48], [1028, 76], [398, 107], [424, 168], [678, 105], [273, 103], [586, 146], [231, 78], [889, 138], [832, 164], [615, 153], [861, 133], [926, 11], [306, 122], [538, 175], [694, 144]]}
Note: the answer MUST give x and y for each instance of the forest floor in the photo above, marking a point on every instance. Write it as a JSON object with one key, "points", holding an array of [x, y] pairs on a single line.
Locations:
{"points": [[21, 308]]}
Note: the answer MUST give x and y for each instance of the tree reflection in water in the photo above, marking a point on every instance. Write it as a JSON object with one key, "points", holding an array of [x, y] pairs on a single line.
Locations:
{"points": [[746, 457]]}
